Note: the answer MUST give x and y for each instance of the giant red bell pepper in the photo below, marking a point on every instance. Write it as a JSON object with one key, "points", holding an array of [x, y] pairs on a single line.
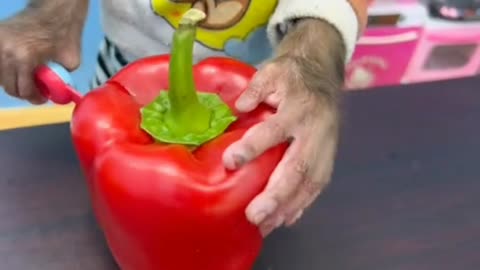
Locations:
{"points": [[153, 160]]}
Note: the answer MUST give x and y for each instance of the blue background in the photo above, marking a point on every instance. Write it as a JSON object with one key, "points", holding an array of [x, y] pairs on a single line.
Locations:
{"points": [[91, 41]]}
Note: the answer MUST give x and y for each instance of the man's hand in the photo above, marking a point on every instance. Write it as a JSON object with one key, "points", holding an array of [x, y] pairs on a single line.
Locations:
{"points": [[302, 82], [46, 30]]}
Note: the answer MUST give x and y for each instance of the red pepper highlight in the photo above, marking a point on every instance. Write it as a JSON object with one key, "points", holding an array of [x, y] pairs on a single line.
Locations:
{"points": [[150, 142]]}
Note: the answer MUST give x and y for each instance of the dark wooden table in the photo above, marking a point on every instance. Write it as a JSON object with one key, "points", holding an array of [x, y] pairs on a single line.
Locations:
{"points": [[405, 195]]}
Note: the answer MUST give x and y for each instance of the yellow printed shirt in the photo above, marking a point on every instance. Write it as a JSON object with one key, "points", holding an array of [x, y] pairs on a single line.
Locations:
{"points": [[237, 28], [234, 28], [247, 30]]}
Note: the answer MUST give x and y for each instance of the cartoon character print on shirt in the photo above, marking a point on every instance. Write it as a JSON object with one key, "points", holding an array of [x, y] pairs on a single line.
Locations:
{"points": [[236, 27]]}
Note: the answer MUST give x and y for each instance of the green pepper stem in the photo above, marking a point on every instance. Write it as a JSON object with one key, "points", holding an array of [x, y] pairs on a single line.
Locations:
{"points": [[186, 111], [181, 115]]}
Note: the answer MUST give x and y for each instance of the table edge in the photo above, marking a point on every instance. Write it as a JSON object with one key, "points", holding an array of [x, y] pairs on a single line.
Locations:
{"points": [[35, 116]]}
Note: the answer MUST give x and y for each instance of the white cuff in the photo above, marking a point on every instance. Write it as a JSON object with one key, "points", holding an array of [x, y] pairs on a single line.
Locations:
{"points": [[339, 13]]}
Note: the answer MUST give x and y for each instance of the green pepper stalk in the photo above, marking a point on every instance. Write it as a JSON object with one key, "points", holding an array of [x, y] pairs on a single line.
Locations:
{"points": [[181, 115], [187, 113]]}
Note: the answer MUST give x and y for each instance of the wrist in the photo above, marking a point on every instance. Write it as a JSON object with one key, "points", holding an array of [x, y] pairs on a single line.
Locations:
{"points": [[318, 44], [338, 13]]}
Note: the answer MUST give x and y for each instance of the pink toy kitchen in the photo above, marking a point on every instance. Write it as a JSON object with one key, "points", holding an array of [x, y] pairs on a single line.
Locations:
{"points": [[410, 41]]}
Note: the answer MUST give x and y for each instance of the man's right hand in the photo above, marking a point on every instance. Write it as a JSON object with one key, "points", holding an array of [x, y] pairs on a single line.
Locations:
{"points": [[47, 30]]}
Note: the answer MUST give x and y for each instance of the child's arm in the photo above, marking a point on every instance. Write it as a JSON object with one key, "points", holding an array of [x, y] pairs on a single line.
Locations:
{"points": [[349, 17]]}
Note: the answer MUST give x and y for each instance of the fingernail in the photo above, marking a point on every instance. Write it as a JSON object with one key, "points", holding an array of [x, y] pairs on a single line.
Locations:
{"points": [[268, 228], [259, 218], [293, 219], [265, 209], [244, 105], [279, 221], [240, 103], [265, 231], [238, 160], [233, 160]]}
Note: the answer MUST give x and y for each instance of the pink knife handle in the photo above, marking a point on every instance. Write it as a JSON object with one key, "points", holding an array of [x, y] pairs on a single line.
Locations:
{"points": [[56, 84]]}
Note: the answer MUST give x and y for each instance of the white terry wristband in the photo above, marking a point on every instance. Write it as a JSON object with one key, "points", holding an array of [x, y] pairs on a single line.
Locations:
{"points": [[339, 13]]}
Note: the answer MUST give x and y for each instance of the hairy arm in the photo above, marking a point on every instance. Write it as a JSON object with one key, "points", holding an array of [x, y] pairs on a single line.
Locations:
{"points": [[319, 51], [320, 35], [303, 81], [313, 41]]}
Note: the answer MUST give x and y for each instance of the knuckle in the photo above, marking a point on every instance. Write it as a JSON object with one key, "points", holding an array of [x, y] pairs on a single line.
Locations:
{"points": [[285, 189], [293, 177], [279, 195], [292, 182], [301, 167], [254, 91], [23, 55], [16, 54], [8, 51], [311, 189]]}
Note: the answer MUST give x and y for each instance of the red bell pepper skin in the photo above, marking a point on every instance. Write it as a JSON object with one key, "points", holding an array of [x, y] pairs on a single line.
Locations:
{"points": [[166, 206]]}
